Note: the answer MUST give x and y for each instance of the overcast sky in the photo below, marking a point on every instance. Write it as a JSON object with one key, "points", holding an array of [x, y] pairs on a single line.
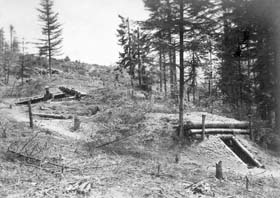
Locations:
{"points": [[89, 26]]}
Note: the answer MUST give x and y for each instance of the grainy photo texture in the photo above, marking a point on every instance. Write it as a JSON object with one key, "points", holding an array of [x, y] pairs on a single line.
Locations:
{"points": [[139, 98]]}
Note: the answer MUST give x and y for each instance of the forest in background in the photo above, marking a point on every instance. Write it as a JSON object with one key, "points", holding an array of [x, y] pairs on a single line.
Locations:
{"points": [[232, 44], [72, 129]]}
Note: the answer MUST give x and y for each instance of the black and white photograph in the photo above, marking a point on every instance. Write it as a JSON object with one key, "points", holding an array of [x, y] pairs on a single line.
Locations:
{"points": [[139, 98]]}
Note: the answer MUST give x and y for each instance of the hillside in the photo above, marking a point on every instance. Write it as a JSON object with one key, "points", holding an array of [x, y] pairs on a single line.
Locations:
{"points": [[126, 149]]}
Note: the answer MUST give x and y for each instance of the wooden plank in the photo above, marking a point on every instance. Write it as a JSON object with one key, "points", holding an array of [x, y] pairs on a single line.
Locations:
{"points": [[220, 131]]}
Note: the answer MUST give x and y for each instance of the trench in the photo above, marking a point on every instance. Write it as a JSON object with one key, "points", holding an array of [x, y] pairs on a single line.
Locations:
{"points": [[231, 143]]}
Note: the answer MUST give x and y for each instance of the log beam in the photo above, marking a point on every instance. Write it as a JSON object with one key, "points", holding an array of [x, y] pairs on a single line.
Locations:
{"points": [[228, 125], [220, 131]]}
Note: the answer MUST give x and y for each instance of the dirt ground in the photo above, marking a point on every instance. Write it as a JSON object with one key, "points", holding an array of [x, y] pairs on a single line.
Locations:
{"points": [[143, 161]]}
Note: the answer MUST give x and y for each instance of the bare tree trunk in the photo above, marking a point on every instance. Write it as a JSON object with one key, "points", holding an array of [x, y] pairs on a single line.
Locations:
{"points": [[22, 63], [188, 95], [211, 71], [171, 75], [49, 44], [181, 91], [175, 69], [164, 74], [11, 53], [160, 69], [131, 69], [193, 91], [139, 58], [240, 88], [249, 77], [277, 72], [194, 75]]}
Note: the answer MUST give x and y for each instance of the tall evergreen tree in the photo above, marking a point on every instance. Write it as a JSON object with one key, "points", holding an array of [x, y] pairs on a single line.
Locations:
{"points": [[51, 30], [136, 48], [129, 53]]}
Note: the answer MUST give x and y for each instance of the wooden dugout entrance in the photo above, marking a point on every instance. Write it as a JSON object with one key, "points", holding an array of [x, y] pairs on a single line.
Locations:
{"points": [[241, 152]]}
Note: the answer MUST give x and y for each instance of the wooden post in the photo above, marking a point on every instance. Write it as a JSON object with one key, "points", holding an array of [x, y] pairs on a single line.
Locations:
{"points": [[219, 170], [77, 123], [30, 114], [247, 183], [176, 158], [158, 170], [250, 128], [203, 126]]}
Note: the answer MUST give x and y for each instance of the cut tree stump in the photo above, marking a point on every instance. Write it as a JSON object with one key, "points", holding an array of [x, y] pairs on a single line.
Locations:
{"points": [[219, 170]]}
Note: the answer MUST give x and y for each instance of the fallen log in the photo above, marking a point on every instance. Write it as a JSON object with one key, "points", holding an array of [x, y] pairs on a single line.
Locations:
{"points": [[38, 99], [219, 131], [227, 125], [52, 116]]}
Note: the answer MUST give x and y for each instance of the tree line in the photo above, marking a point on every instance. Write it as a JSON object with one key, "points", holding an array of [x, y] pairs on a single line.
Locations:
{"points": [[234, 42]]}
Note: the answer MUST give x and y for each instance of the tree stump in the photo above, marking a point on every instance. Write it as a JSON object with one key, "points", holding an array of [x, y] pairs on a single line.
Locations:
{"points": [[77, 123], [219, 170]]}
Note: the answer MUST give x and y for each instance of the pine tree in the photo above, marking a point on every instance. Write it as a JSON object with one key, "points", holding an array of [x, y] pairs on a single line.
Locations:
{"points": [[128, 55], [136, 48], [51, 30]]}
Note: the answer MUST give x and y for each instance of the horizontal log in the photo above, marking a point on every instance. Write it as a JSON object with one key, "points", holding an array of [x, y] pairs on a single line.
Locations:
{"points": [[227, 125], [53, 116], [220, 131], [38, 99]]}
